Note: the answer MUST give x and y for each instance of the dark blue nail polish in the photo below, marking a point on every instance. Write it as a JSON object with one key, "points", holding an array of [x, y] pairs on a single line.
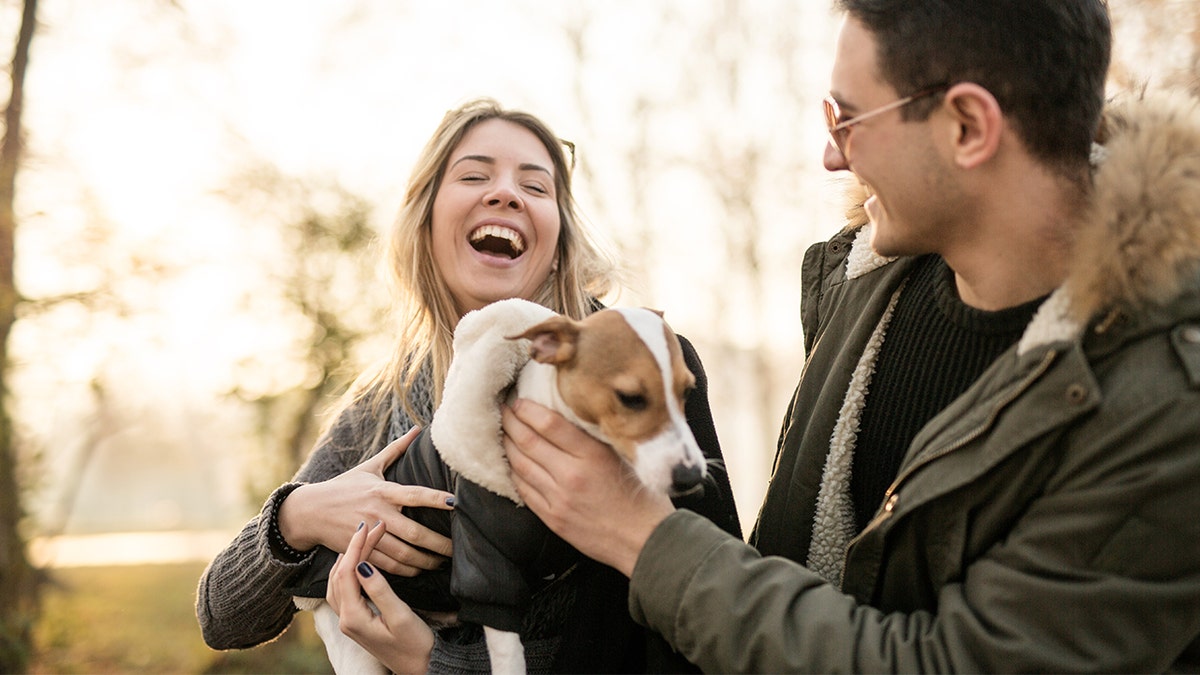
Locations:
{"points": [[360, 526], [450, 501], [365, 570]]}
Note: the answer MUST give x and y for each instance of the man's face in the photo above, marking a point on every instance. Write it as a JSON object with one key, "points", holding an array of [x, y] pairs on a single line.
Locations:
{"points": [[894, 158]]}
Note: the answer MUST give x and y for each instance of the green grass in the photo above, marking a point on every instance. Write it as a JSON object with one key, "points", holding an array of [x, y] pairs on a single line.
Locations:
{"points": [[141, 619]]}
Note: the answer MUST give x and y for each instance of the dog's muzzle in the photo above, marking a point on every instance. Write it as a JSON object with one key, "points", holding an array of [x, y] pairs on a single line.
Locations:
{"points": [[686, 479]]}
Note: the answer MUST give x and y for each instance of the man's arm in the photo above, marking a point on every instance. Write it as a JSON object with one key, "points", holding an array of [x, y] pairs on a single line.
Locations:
{"points": [[1031, 603]]}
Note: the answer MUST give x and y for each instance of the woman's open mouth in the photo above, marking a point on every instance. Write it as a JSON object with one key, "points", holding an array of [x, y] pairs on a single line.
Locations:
{"points": [[498, 241]]}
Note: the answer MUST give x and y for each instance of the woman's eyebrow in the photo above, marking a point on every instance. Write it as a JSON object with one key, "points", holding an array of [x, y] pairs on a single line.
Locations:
{"points": [[477, 158], [536, 167], [528, 166]]}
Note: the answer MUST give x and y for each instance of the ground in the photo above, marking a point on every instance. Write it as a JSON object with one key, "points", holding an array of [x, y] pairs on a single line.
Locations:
{"points": [[141, 619]]}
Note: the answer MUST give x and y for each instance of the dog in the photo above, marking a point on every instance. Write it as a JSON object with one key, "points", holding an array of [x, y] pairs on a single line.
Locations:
{"points": [[618, 374]]}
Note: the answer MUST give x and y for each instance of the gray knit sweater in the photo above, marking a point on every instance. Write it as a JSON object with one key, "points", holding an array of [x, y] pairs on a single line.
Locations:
{"points": [[241, 601]]}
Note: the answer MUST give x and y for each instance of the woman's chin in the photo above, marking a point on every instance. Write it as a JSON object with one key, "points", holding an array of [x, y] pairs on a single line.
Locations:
{"points": [[481, 297]]}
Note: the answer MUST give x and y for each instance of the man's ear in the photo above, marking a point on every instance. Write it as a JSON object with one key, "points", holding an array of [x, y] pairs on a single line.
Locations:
{"points": [[979, 123]]}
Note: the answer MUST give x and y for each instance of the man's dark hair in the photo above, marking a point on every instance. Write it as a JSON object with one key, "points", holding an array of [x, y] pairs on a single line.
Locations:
{"points": [[1045, 61]]}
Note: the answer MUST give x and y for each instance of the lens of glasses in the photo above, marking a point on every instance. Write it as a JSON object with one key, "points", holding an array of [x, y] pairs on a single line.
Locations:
{"points": [[837, 136]]}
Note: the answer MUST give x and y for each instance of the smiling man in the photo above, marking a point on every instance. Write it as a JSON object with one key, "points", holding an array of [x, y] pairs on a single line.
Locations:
{"points": [[992, 458]]}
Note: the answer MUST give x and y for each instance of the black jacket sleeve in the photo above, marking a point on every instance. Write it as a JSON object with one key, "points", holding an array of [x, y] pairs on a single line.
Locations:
{"points": [[716, 501]]}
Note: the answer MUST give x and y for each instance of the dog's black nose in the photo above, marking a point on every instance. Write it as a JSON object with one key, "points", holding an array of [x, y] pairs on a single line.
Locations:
{"points": [[685, 478]]}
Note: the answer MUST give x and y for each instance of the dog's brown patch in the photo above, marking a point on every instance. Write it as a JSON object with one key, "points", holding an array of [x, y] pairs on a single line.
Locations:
{"points": [[609, 377]]}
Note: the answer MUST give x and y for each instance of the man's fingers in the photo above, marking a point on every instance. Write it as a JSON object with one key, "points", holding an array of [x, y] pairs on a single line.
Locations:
{"points": [[538, 429], [530, 423], [522, 466], [525, 469]]}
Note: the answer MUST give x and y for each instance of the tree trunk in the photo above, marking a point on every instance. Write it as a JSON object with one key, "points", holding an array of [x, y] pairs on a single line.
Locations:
{"points": [[18, 596]]}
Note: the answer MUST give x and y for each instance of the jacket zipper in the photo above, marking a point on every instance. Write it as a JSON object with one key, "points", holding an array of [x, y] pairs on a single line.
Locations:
{"points": [[890, 498]]}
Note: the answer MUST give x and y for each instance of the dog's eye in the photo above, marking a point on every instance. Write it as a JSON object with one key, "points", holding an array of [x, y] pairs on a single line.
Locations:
{"points": [[632, 401]]}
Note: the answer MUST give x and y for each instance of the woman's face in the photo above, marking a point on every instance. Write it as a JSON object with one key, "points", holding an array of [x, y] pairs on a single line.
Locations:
{"points": [[495, 216]]}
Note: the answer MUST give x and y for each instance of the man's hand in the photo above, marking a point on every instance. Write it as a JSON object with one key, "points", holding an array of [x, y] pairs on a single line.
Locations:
{"points": [[323, 513], [579, 487], [395, 635]]}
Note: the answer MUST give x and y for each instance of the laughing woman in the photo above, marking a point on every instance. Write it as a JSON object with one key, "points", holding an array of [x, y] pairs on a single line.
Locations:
{"points": [[488, 215]]}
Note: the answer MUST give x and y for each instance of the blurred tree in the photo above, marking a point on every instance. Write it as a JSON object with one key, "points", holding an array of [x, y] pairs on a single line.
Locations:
{"points": [[315, 238], [717, 130], [18, 587]]}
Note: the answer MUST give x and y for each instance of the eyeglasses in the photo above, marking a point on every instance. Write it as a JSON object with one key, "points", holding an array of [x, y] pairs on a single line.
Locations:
{"points": [[569, 147], [839, 131]]}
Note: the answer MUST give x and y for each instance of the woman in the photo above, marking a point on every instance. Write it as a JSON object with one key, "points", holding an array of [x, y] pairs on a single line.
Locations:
{"points": [[488, 215]]}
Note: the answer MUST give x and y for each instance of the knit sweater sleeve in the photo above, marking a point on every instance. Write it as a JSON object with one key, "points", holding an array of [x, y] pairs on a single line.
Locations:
{"points": [[241, 601]]}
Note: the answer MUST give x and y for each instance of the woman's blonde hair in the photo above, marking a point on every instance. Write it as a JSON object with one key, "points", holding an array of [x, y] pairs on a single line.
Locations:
{"points": [[426, 312]]}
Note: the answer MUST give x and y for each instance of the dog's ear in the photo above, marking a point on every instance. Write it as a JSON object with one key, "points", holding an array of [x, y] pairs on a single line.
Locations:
{"points": [[553, 340]]}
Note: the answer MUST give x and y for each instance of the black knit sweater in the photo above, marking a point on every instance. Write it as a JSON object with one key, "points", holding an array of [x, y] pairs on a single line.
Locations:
{"points": [[935, 347]]}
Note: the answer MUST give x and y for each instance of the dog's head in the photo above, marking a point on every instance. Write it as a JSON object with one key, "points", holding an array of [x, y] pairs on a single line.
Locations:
{"points": [[622, 372]]}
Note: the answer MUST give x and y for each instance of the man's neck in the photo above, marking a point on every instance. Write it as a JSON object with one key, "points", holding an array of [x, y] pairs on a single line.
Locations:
{"points": [[1003, 278], [1020, 248]]}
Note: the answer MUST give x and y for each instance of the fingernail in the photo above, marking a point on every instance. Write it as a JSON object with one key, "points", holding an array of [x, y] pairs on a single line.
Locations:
{"points": [[450, 501], [364, 570], [377, 524], [360, 526]]}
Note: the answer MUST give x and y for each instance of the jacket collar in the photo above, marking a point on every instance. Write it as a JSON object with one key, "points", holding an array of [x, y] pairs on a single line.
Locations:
{"points": [[1138, 243]]}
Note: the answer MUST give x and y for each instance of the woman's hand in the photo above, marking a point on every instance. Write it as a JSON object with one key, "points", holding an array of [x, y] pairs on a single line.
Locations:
{"points": [[395, 635], [322, 513], [579, 487]]}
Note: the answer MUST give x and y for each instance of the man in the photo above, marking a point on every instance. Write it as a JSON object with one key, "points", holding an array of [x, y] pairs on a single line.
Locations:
{"points": [[992, 460]]}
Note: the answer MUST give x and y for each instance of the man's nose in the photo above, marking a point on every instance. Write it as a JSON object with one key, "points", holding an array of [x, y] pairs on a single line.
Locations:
{"points": [[834, 160]]}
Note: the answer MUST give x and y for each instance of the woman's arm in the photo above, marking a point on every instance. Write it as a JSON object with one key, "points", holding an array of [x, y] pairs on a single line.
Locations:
{"points": [[241, 599], [322, 513]]}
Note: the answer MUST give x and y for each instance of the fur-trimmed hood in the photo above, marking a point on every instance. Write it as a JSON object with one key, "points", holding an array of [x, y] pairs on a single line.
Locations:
{"points": [[1138, 243]]}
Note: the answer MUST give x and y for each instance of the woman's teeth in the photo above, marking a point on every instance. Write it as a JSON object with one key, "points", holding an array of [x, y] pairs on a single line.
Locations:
{"points": [[498, 240]]}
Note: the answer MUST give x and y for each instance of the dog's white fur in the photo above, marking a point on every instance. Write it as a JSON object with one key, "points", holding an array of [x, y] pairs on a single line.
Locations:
{"points": [[467, 433]]}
